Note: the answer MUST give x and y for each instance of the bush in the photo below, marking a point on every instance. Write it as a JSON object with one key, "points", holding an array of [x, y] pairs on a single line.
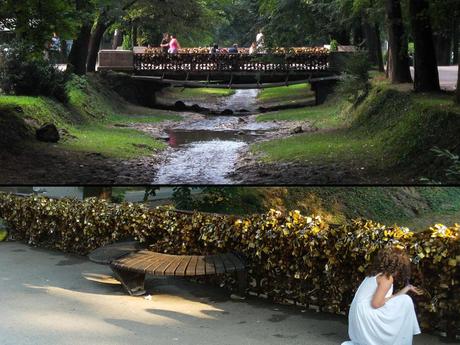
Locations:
{"points": [[355, 80], [25, 72], [291, 258]]}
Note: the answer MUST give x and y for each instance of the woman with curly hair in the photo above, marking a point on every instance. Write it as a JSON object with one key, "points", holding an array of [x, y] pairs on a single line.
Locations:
{"points": [[377, 316]]}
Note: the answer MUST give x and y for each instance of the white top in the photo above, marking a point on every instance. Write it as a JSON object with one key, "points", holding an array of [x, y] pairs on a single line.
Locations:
{"points": [[395, 323]]}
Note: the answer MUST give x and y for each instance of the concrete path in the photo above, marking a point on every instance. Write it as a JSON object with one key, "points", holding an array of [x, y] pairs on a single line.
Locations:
{"points": [[448, 76], [49, 298]]}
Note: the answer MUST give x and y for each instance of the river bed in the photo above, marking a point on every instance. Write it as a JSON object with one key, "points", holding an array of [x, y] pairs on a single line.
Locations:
{"points": [[206, 150]]}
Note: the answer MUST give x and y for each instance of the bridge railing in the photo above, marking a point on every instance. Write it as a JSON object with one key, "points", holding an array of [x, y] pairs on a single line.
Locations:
{"points": [[242, 62]]}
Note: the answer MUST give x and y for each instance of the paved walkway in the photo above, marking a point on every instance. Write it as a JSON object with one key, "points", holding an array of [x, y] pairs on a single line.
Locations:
{"points": [[448, 76], [50, 298]]}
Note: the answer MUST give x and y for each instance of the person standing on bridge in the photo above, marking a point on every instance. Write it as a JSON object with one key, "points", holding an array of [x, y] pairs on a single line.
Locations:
{"points": [[174, 45], [165, 43], [260, 42]]}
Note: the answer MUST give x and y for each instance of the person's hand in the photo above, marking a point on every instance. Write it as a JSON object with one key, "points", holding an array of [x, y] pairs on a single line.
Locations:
{"points": [[415, 290]]}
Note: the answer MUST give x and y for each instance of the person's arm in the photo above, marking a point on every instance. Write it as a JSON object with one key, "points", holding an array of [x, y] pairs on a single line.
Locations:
{"points": [[178, 45], [384, 284]]}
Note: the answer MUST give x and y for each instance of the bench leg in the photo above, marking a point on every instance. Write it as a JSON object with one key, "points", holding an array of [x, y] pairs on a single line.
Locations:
{"points": [[132, 282]]}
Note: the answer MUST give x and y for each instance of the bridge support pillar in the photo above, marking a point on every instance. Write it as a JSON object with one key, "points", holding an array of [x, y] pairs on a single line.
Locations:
{"points": [[322, 89]]}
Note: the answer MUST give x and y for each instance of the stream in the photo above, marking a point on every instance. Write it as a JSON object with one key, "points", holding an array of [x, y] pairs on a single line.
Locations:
{"points": [[205, 151]]}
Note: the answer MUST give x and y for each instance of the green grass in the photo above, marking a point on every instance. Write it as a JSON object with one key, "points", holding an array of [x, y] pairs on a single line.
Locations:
{"points": [[321, 147], [153, 118], [389, 129], [112, 142], [198, 93], [40, 109], [324, 116], [285, 94], [89, 117]]}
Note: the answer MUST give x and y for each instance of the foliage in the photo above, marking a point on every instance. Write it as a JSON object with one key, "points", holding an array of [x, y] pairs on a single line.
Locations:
{"points": [[291, 257], [355, 81], [127, 42], [35, 21], [24, 72], [453, 171], [334, 46], [391, 131], [182, 197]]}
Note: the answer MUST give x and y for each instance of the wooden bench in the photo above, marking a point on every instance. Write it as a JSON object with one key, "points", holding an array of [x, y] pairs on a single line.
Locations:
{"points": [[131, 264]]}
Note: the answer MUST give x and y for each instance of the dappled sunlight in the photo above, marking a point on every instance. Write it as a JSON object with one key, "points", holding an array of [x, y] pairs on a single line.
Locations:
{"points": [[100, 278]]}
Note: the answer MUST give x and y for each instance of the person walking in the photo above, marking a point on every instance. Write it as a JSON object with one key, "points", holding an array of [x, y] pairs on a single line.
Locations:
{"points": [[260, 42], [55, 49], [174, 45], [377, 316], [233, 49], [164, 45]]}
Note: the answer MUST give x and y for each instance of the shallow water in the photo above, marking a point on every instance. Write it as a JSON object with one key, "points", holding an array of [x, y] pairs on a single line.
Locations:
{"points": [[206, 150], [200, 163]]}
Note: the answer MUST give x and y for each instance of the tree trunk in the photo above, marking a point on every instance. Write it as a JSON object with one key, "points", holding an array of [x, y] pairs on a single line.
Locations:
{"points": [[371, 42], [379, 48], [455, 39], [443, 48], [79, 52], [399, 70], [95, 43], [117, 36], [135, 33], [98, 192], [426, 67]]}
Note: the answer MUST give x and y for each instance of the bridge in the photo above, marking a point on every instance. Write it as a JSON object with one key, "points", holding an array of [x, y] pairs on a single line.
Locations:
{"points": [[195, 67]]}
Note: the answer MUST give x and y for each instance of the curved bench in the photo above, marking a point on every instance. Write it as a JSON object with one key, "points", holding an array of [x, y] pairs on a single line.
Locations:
{"points": [[130, 265]]}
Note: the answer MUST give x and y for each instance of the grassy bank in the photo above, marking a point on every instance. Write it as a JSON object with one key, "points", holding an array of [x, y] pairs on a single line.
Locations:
{"points": [[91, 121], [391, 129], [194, 94], [414, 207], [329, 115], [285, 94]]}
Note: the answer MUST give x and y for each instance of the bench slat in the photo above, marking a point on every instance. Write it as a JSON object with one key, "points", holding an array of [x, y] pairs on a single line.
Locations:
{"points": [[200, 267], [171, 270], [138, 261], [132, 259], [229, 266], [153, 262], [191, 268], [209, 265], [182, 268], [239, 265], [218, 264], [167, 261]]}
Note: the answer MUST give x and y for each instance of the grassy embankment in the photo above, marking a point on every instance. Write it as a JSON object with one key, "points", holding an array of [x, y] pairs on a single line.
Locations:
{"points": [[92, 120], [209, 95], [285, 94], [392, 128], [414, 207]]}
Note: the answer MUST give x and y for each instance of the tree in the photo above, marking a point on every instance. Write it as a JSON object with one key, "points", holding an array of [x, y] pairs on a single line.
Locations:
{"points": [[98, 192], [79, 52], [33, 22], [426, 67], [398, 58]]}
